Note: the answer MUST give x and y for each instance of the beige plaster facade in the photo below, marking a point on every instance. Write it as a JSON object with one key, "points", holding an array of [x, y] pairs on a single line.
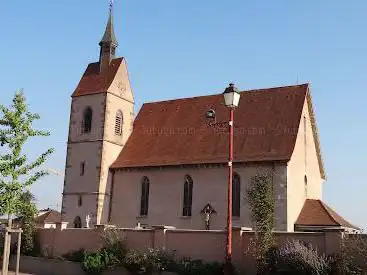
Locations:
{"points": [[210, 186], [304, 179], [88, 193]]}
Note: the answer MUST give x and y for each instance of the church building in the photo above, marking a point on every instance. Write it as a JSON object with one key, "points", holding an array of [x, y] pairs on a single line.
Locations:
{"points": [[169, 165]]}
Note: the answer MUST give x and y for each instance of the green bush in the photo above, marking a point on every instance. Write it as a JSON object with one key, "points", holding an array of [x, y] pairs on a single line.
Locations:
{"points": [[351, 259], [95, 262], [149, 261], [28, 239], [197, 267], [114, 247], [297, 258], [34, 250], [75, 256]]}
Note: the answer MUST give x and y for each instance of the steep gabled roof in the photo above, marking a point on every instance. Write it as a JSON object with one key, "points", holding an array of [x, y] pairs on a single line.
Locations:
{"points": [[51, 216], [176, 132], [317, 213], [94, 82]]}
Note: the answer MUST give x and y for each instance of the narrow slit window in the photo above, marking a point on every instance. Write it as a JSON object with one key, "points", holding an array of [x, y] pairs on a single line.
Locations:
{"points": [[144, 203], [305, 185], [187, 199], [80, 201], [82, 168], [236, 195]]}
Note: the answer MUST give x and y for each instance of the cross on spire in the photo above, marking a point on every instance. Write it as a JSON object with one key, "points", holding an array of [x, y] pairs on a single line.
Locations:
{"points": [[111, 5]]}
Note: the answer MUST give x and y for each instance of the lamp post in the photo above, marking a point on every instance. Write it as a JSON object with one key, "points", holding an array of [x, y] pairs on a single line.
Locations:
{"points": [[231, 100]]}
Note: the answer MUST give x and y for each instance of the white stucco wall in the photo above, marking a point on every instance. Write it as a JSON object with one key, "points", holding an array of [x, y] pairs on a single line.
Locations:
{"points": [[304, 162], [166, 196]]}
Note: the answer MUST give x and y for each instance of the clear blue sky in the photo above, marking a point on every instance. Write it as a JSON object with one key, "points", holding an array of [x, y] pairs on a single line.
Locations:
{"points": [[189, 48]]}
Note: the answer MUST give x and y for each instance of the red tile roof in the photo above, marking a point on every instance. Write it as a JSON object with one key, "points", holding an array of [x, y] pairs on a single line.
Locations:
{"points": [[51, 216], [317, 213], [93, 82], [175, 132]]}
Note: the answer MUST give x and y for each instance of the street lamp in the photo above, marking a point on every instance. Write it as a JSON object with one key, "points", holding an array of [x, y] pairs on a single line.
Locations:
{"points": [[231, 100]]}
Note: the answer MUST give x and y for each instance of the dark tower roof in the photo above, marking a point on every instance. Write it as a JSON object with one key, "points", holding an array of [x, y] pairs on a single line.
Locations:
{"points": [[109, 35]]}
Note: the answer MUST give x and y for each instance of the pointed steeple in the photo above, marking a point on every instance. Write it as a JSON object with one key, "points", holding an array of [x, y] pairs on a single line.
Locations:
{"points": [[109, 35], [108, 43]]}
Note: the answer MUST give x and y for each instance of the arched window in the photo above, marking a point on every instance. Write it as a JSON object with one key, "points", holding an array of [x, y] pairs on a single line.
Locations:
{"points": [[80, 200], [305, 185], [236, 195], [144, 203], [77, 222], [118, 123], [187, 199], [87, 120]]}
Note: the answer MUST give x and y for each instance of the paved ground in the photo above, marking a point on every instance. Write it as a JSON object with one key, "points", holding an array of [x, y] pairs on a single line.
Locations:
{"points": [[13, 273]]}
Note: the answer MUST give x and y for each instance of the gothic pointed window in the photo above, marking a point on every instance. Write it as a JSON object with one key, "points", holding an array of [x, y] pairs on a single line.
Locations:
{"points": [[118, 123], [87, 120], [144, 201], [187, 198], [77, 222], [236, 195]]}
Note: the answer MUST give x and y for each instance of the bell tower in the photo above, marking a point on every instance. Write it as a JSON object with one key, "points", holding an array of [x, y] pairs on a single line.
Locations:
{"points": [[101, 120]]}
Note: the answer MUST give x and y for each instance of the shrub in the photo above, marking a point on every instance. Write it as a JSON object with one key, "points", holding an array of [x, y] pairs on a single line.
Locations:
{"points": [[351, 259], [36, 250], [75, 256], [28, 239], [136, 261], [114, 246], [261, 202], [297, 258], [197, 267], [152, 260], [95, 262]]}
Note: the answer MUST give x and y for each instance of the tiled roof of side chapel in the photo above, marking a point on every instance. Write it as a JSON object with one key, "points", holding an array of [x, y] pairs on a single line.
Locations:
{"points": [[317, 213]]}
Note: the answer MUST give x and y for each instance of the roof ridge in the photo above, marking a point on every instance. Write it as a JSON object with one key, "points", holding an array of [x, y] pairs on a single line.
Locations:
{"points": [[216, 94], [278, 87], [327, 209]]}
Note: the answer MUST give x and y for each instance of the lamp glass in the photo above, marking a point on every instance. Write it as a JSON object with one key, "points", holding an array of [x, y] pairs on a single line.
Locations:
{"points": [[232, 99]]}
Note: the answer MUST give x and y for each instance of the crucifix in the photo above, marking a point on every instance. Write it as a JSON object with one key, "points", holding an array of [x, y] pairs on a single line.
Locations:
{"points": [[208, 211]]}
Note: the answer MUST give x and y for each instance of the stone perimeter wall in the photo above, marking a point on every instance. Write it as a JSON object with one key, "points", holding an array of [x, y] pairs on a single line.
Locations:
{"points": [[196, 244]]}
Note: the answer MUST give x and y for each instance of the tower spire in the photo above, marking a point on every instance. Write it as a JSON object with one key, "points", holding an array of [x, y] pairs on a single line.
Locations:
{"points": [[108, 42]]}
